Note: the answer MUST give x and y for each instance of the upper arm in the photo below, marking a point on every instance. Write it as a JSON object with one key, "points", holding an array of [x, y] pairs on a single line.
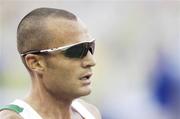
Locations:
{"points": [[91, 108], [6, 114]]}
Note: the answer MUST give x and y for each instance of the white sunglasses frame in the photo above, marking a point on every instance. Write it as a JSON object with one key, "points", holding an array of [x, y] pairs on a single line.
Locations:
{"points": [[62, 48]]}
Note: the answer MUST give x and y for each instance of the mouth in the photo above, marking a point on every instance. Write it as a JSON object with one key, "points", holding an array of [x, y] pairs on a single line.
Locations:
{"points": [[86, 76]]}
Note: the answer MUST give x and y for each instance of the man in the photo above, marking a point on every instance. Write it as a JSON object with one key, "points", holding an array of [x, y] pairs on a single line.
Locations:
{"points": [[58, 52]]}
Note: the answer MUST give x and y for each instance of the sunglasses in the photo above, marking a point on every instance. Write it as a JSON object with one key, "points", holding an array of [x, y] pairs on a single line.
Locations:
{"points": [[77, 50]]}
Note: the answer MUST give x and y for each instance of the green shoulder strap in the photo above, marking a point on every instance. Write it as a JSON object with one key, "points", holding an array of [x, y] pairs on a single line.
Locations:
{"points": [[12, 107]]}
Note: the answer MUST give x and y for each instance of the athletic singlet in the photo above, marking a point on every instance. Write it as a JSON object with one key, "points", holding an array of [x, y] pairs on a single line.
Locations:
{"points": [[27, 112]]}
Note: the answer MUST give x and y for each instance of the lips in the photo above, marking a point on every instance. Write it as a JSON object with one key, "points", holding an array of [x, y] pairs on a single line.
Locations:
{"points": [[86, 76]]}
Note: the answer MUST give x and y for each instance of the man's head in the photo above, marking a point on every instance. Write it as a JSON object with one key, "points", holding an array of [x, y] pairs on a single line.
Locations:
{"points": [[47, 28], [33, 28]]}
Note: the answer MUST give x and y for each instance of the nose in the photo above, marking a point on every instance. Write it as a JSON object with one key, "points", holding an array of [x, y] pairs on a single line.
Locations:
{"points": [[88, 60]]}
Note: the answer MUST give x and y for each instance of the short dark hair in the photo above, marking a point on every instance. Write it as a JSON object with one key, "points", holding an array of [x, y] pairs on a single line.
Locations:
{"points": [[32, 32]]}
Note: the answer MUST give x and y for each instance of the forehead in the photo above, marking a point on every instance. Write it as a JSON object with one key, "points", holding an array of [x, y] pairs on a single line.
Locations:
{"points": [[65, 32]]}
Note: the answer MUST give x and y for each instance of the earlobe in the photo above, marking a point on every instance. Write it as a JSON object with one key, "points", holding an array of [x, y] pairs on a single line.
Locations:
{"points": [[34, 63]]}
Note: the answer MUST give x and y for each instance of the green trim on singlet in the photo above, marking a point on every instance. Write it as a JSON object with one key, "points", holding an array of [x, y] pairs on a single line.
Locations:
{"points": [[12, 107]]}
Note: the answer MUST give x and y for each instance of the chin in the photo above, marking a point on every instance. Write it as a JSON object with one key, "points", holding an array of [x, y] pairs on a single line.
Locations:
{"points": [[85, 91]]}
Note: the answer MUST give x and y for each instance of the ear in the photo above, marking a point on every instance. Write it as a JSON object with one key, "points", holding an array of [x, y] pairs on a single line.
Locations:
{"points": [[35, 63]]}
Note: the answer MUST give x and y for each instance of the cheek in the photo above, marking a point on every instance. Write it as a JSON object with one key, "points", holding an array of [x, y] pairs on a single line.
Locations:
{"points": [[63, 69], [61, 77]]}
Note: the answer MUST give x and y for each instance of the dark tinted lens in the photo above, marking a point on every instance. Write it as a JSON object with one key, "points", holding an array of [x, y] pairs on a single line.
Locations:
{"points": [[88, 47], [75, 51], [80, 50], [84, 53]]}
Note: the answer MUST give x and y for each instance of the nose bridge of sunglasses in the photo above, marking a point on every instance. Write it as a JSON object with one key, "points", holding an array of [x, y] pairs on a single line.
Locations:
{"points": [[89, 49]]}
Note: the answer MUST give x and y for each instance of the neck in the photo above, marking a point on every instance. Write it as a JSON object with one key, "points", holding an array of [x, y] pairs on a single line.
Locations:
{"points": [[48, 106]]}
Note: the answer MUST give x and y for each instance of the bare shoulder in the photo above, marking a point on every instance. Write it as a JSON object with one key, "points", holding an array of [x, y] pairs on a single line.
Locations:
{"points": [[6, 114], [91, 108]]}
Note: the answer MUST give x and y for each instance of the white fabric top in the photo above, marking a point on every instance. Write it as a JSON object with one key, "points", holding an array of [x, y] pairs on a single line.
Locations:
{"points": [[30, 113], [82, 110]]}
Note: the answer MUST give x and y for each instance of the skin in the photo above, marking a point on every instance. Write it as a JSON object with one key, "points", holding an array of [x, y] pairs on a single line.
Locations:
{"points": [[55, 78]]}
